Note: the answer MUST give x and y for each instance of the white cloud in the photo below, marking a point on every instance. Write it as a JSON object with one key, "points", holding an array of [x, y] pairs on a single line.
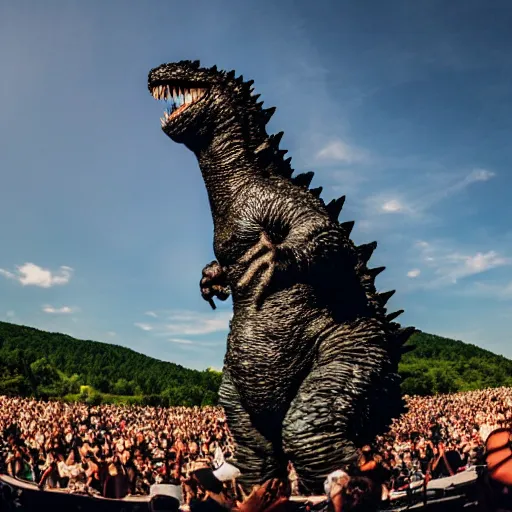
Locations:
{"points": [[413, 273], [478, 175], [112, 334], [418, 199], [5, 273], [388, 203], [339, 151], [10, 314], [193, 323], [451, 187], [456, 266], [151, 313], [30, 274], [180, 341], [481, 262], [393, 206], [450, 265], [64, 310], [177, 323], [144, 327]]}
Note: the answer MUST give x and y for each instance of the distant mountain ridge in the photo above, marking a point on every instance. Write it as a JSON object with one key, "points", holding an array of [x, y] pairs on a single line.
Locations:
{"points": [[35, 362]]}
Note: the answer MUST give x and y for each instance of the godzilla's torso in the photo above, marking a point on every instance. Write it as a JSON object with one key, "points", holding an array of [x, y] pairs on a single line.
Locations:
{"points": [[272, 348]]}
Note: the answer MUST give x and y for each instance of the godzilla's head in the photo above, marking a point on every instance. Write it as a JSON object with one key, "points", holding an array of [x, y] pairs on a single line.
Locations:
{"points": [[201, 101]]}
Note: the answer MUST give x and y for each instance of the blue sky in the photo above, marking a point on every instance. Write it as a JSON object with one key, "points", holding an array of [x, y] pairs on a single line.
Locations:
{"points": [[405, 107]]}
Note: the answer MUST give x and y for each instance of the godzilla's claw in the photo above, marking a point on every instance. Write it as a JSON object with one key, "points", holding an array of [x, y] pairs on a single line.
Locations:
{"points": [[264, 243], [214, 283], [266, 260]]}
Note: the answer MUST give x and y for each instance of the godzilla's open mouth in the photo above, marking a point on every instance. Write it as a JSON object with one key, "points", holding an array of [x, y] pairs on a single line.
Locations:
{"points": [[177, 99]]}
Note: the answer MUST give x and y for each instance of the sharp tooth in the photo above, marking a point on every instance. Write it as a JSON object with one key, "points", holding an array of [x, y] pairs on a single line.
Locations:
{"points": [[161, 91], [194, 94], [162, 121]]}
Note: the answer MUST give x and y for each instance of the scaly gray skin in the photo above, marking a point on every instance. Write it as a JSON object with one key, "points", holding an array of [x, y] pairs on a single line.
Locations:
{"points": [[311, 365]]}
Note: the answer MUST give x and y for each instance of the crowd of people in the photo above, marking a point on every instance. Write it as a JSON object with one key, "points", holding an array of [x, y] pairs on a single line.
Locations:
{"points": [[115, 451], [439, 436], [110, 450]]}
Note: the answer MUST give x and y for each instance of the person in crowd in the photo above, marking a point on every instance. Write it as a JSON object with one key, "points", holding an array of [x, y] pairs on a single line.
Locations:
{"points": [[354, 494], [372, 466]]}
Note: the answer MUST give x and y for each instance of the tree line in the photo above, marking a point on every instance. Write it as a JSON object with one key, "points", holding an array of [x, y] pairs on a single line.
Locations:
{"points": [[52, 365]]}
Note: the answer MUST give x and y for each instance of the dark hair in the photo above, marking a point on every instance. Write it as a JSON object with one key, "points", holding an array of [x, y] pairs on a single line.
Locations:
{"points": [[208, 481], [167, 503], [360, 494]]}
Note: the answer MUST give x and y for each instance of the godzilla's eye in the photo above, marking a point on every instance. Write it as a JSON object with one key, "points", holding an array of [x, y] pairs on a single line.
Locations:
{"points": [[177, 99]]}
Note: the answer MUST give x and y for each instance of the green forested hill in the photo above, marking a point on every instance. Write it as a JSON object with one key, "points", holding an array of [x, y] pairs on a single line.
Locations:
{"points": [[39, 363], [53, 364], [442, 365]]}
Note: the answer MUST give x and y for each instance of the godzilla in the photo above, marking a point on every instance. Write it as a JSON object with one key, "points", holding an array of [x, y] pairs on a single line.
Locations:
{"points": [[311, 368]]}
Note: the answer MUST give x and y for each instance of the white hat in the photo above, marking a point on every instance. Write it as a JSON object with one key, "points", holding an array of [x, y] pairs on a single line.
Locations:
{"points": [[226, 472], [173, 491]]}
